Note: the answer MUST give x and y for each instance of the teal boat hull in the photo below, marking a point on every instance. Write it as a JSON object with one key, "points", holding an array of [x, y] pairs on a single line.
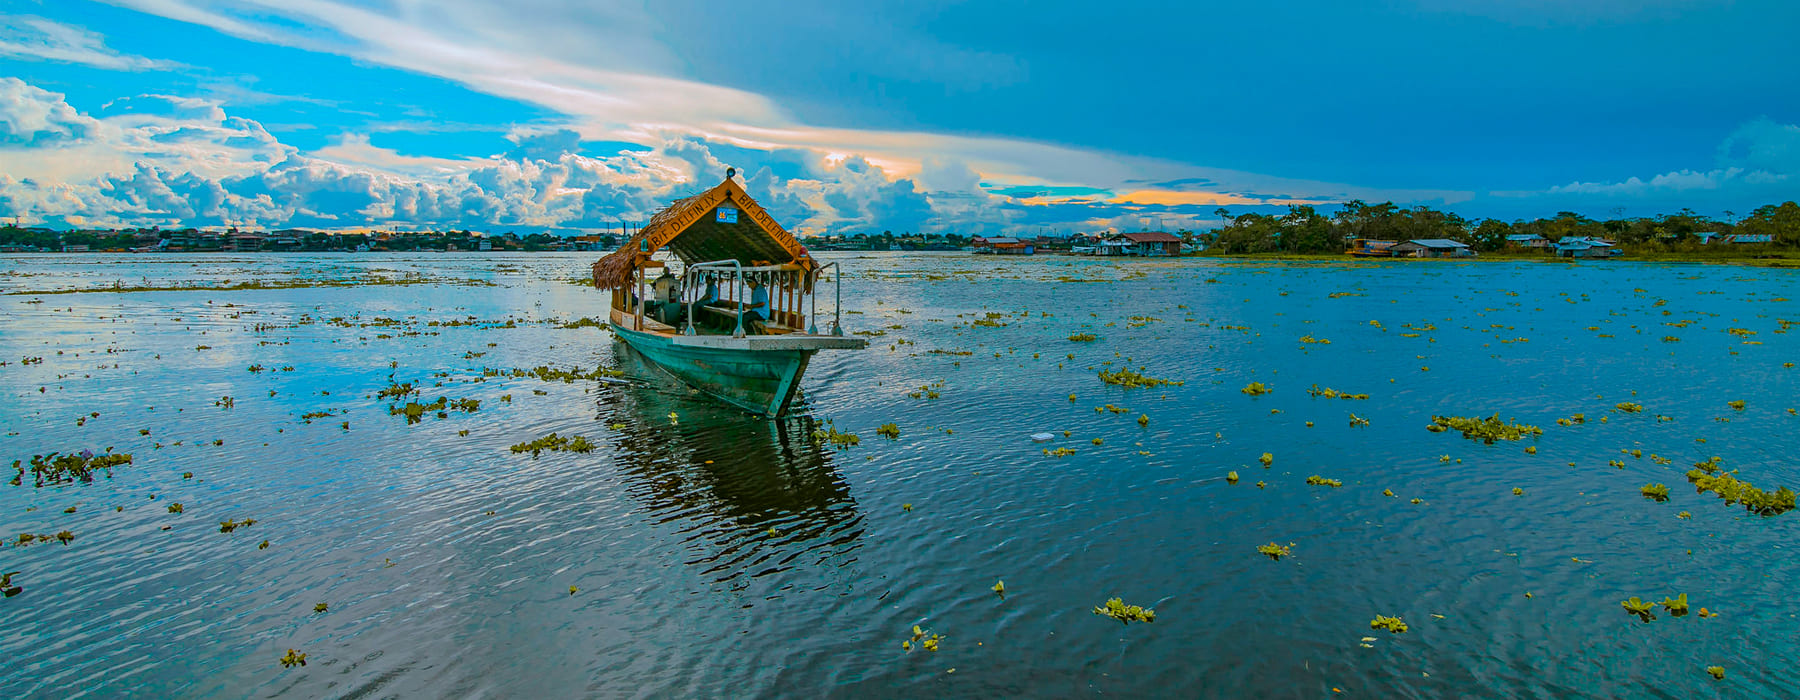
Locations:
{"points": [[760, 380]]}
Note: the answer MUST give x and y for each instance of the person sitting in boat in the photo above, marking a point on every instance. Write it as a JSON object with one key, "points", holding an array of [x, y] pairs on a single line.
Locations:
{"points": [[757, 311], [711, 296]]}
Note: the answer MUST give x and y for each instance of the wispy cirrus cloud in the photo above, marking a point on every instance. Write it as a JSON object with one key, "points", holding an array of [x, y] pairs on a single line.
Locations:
{"points": [[27, 38]]}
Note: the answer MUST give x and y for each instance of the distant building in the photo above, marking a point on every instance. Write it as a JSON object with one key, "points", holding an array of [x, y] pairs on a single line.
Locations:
{"points": [[75, 248], [1002, 245], [1432, 248], [1586, 247], [1152, 244], [1527, 240], [1742, 238], [1371, 248]]}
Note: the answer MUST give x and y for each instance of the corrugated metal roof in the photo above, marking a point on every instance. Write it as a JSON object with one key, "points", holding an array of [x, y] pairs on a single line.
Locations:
{"points": [[1152, 237], [1438, 243]]}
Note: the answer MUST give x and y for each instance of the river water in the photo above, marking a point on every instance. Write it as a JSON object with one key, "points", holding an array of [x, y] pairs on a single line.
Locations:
{"points": [[698, 552]]}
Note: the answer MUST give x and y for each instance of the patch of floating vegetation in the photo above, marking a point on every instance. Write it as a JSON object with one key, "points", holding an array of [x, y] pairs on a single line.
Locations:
{"points": [[1116, 609], [1644, 610], [1392, 624], [583, 322], [550, 374], [1255, 389], [1316, 480], [1735, 405], [415, 411], [1572, 420], [1273, 551], [1677, 606], [6, 584], [554, 443], [1706, 476], [1655, 492], [927, 640], [1356, 420], [227, 526], [888, 430], [1128, 378], [1486, 430], [56, 468], [1267, 458], [1330, 393], [1059, 452], [1628, 407], [1084, 337], [263, 284], [293, 658], [837, 439], [1717, 672]]}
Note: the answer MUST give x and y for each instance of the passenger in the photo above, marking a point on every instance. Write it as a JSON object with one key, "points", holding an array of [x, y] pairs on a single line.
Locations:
{"points": [[757, 311], [711, 296]]}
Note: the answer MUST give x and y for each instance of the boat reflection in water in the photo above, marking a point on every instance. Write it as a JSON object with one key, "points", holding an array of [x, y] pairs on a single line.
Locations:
{"points": [[726, 478]]}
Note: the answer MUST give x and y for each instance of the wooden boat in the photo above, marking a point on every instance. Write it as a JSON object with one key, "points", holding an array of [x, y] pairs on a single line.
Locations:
{"points": [[691, 323]]}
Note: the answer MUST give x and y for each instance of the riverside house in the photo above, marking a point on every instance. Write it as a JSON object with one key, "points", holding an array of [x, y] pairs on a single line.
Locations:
{"points": [[1586, 247], [1432, 248]]}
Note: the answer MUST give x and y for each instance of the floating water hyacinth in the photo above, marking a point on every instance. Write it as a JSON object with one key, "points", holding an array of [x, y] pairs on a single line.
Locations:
{"points": [[999, 588], [56, 468], [1316, 480], [1735, 405], [1272, 551], [1116, 609], [1059, 452], [1084, 338], [1486, 430], [1143, 420], [1255, 389], [293, 658], [1717, 672], [1518, 491], [1655, 492], [1131, 379], [1677, 606], [1707, 477], [1267, 458], [321, 607], [1357, 421], [1391, 624], [1628, 407], [1231, 477], [1643, 610], [889, 431], [554, 443]]}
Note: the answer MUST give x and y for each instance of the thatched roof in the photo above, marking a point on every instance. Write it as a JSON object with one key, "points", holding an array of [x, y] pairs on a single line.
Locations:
{"points": [[692, 229]]}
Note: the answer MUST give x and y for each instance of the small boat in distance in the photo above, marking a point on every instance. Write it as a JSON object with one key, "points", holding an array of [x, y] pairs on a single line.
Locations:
{"points": [[692, 323]]}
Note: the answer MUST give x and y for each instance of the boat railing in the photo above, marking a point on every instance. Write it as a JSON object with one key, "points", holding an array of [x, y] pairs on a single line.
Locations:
{"points": [[692, 274], [837, 308]]}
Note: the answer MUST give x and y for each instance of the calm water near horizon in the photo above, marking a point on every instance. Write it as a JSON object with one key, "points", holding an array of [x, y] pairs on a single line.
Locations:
{"points": [[718, 555]]}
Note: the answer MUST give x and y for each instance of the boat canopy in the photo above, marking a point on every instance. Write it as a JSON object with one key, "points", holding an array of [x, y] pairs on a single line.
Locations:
{"points": [[722, 223]]}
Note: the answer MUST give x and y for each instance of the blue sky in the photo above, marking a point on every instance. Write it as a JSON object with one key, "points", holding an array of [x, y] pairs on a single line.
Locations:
{"points": [[925, 115]]}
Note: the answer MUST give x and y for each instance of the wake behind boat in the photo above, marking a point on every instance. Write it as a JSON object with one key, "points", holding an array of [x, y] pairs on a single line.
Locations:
{"points": [[739, 319]]}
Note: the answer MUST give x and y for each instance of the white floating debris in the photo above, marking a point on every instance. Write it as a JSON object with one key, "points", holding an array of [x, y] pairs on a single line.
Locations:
{"points": [[1042, 437]]}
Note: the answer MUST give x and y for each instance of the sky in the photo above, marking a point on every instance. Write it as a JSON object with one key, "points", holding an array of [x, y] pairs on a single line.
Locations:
{"points": [[906, 116]]}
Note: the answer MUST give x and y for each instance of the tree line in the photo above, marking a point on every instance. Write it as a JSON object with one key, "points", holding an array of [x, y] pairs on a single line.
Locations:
{"points": [[1304, 229]]}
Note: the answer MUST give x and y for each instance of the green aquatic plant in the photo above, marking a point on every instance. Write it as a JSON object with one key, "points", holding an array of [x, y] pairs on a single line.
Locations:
{"points": [[1131, 379], [395, 390], [1677, 606], [1059, 452], [1518, 491], [1628, 407], [1707, 477], [999, 588], [1116, 609], [1231, 477], [1717, 672], [1486, 430], [57, 468], [321, 607], [1356, 421], [1736, 405], [1143, 420], [1255, 389], [837, 439], [554, 443], [293, 658], [175, 508], [1084, 337], [889, 431], [1655, 492], [6, 585], [1392, 624], [1316, 480], [1267, 458], [1273, 551], [1645, 611]]}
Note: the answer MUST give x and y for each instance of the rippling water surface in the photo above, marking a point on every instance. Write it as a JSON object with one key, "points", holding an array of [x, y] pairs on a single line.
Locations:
{"points": [[712, 554]]}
